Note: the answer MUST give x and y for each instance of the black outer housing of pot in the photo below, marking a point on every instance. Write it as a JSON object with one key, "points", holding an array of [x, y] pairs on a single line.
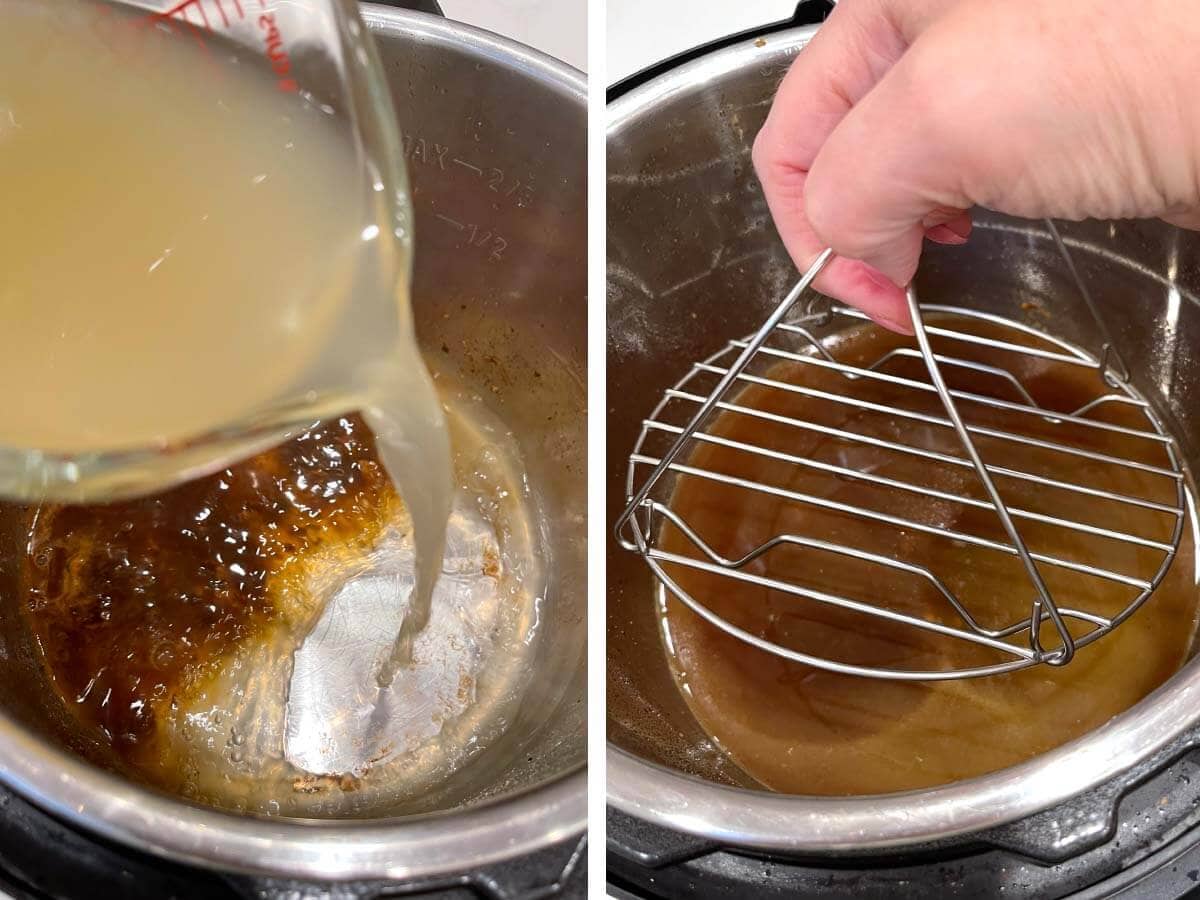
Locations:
{"points": [[42, 858], [1137, 838], [808, 12], [425, 6]]}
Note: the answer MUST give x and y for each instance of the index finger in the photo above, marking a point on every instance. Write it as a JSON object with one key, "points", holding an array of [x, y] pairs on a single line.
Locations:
{"points": [[852, 51]]}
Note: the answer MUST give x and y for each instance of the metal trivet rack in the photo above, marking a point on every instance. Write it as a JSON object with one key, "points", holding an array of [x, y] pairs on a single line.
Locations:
{"points": [[1018, 644]]}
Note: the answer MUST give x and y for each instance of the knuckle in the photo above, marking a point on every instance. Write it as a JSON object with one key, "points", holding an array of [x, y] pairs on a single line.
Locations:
{"points": [[827, 216]]}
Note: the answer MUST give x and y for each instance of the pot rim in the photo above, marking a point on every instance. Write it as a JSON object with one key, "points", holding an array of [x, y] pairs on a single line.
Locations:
{"points": [[104, 804], [552, 72], [782, 822]]}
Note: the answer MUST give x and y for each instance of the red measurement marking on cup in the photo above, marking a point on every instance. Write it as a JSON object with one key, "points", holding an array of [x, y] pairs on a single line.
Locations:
{"points": [[276, 52], [213, 15]]}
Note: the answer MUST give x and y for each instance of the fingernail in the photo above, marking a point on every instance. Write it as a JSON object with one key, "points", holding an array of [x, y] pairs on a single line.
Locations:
{"points": [[944, 234], [892, 324]]}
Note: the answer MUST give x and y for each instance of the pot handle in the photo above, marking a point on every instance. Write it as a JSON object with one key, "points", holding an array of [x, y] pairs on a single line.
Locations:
{"points": [[808, 12], [425, 6]]}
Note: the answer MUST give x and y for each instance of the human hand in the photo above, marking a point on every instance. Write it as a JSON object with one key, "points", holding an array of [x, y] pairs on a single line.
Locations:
{"points": [[901, 115]]}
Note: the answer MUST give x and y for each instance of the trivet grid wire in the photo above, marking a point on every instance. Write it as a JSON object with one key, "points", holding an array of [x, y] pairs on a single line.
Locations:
{"points": [[646, 513]]}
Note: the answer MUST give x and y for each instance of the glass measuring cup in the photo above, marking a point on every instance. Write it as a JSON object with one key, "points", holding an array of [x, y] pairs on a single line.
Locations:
{"points": [[315, 55], [206, 241]]}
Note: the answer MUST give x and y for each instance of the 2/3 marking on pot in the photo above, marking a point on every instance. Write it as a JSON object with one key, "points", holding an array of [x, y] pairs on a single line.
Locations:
{"points": [[418, 149]]}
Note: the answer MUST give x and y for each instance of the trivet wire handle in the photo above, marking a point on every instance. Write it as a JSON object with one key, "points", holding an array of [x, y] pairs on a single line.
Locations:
{"points": [[718, 392], [1043, 604]]}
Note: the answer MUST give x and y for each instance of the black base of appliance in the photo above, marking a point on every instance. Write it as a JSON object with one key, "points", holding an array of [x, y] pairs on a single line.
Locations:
{"points": [[42, 858], [1136, 838]]}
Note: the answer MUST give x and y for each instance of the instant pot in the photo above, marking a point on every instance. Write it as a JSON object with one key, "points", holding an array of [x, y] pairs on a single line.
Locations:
{"points": [[1113, 813], [495, 140]]}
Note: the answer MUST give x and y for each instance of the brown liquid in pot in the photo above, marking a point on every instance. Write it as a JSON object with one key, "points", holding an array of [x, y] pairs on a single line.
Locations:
{"points": [[799, 729], [133, 604]]}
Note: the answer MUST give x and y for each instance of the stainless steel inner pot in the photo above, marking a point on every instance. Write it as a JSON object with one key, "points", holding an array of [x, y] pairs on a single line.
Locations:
{"points": [[495, 137], [693, 261]]}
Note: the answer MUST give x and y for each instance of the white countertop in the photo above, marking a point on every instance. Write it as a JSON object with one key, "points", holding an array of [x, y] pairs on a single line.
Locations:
{"points": [[643, 32], [556, 27]]}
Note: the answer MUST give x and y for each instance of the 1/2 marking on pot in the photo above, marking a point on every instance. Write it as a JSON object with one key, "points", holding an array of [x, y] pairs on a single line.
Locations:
{"points": [[479, 236]]}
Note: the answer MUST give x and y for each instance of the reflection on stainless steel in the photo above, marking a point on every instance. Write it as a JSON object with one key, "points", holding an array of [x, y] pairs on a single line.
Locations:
{"points": [[338, 719], [471, 667], [499, 301], [693, 263]]}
